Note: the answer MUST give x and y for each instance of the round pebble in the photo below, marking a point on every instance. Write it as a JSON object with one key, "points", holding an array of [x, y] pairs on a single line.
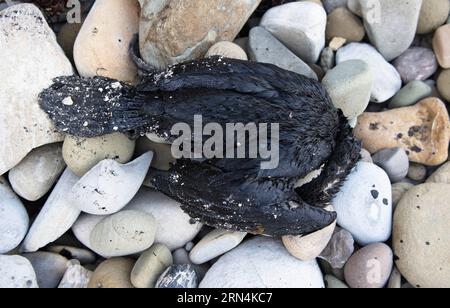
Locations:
{"points": [[112, 274], [228, 50], [17, 272], [417, 172], [81, 154], [343, 23], [364, 204], [441, 46], [150, 265], [215, 244], [410, 94], [443, 84], [416, 63], [124, 233], [370, 267], [421, 237]]}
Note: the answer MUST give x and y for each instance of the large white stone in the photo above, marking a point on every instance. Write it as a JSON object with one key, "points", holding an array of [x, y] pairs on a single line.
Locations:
{"points": [[13, 218], [110, 186], [387, 81], [262, 263], [55, 218], [30, 59], [300, 26], [17, 272], [364, 204]]}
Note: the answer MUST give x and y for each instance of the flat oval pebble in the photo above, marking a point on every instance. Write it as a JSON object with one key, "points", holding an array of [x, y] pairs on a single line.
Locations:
{"points": [[423, 130], [227, 50], [416, 63], [112, 274], [56, 217], [17, 272], [150, 265], [109, 186], [394, 162], [178, 277], [168, 213], [264, 47], [443, 83], [411, 94], [13, 218], [49, 267], [81, 154], [124, 233], [421, 237], [215, 244], [387, 81], [35, 175], [262, 263], [300, 26], [349, 85], [441, 46], [370, 267], [364, 204]]}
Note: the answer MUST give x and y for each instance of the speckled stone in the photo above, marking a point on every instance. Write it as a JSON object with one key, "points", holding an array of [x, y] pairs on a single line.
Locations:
{"points": [[416, 63], [421, 237]]}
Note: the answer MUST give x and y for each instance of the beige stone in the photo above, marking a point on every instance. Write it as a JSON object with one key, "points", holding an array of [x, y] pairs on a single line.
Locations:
{"points": [[173, 31], [422, 130], [343, 23], [228, 50], [150, 265], [443, 84], [433, 14], [441, 45], [442, 175], [421, 237], [112, 274], [101, 47], [81, 154]]}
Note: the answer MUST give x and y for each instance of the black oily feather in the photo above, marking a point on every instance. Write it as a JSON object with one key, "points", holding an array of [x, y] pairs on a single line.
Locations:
{"points": [[234, 194]]}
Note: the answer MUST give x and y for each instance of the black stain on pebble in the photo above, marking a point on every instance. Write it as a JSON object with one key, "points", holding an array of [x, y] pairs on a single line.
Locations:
{"points": [[416, 149], [374, 126], [385, 201], [375, 194], [396, 258], [428, 243]]}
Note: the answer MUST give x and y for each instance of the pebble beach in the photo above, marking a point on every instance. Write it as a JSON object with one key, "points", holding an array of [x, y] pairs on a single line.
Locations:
{"points": [[82, 213]]}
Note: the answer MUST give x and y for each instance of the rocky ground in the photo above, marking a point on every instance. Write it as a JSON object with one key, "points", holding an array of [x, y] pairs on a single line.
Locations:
{"points": [[66, 222]]}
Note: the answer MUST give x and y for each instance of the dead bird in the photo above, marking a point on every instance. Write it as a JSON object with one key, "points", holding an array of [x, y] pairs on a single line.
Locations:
{"points": [[234, 194]]}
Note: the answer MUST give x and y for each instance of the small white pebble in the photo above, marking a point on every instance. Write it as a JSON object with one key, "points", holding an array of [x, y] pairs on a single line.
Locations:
{"points": [[85, 124], [68, 101]]}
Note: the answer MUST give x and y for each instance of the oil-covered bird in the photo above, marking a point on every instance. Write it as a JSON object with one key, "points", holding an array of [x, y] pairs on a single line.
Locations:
{"points": [[234, 194]]}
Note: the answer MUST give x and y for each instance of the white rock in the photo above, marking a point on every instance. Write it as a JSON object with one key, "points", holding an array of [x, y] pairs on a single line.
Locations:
{"points": [[215, 244], [364, 204], [55, 218], [262, 263], [13, 219], [300, 26], [75, 277], [175, 227], [110, 186], [387, 81], [17, 272], [29, 53], [392, 25], [35, 175], [83, 227], [124, 233]]}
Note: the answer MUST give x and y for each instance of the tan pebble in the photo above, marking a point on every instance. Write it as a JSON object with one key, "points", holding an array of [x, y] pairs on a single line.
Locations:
{"points": [[343, 23], [150, 265], [398, 190], [442, 175], [228, 50], [443, 84], [441, 45], [112, 274], [433, 14], [337, 42], [422, 130]]}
